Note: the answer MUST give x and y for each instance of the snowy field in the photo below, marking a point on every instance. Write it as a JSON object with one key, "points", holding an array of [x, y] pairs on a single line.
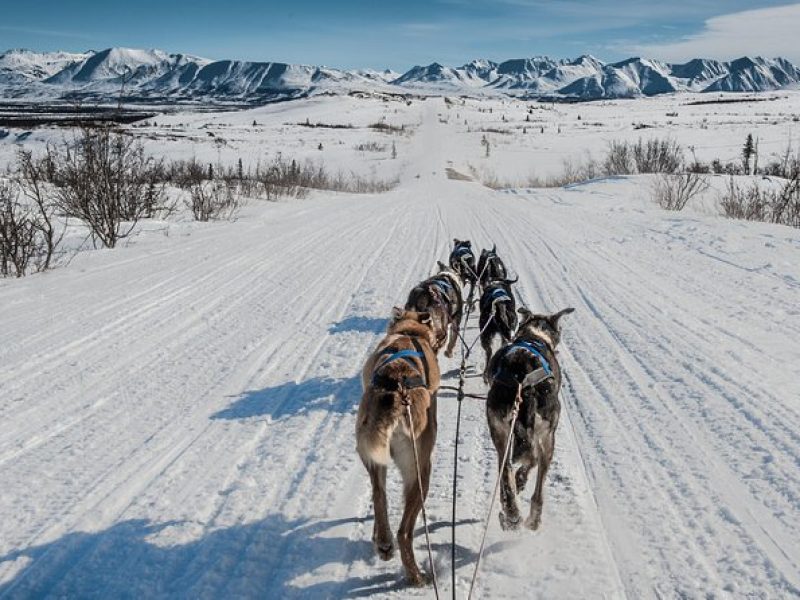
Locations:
{"points": [[178, 413]]}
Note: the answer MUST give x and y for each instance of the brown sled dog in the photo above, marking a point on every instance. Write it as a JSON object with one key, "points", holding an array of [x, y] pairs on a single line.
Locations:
{"points": [[402, 369]]}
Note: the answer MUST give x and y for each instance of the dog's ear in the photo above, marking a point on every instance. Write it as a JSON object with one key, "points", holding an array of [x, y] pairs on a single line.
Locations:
{"points": [[494, 248], [555, 317], [441, 265], [524, 312], [456, 241], [397, 313]]}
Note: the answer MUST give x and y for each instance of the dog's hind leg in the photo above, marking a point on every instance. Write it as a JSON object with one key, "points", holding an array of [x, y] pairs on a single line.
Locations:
{"points": [[486, 344], [546, 447], [381, 532], [453, 329], [411, 509], [509, 510]]}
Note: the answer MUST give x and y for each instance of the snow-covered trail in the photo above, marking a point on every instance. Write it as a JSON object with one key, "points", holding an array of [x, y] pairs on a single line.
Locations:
{"points": [[178, 420]]}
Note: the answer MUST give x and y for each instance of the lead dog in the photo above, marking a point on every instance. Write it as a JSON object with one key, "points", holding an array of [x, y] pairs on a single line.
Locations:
{"points": [[531, 362], [441, 296], [491, 266], [462, 260], [403, 369]]}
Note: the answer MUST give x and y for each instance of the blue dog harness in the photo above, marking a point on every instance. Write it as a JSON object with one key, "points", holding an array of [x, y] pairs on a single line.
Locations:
{"points": [[408, 356], [444, 286], [463, 251], [499, 295], [536, 376]]}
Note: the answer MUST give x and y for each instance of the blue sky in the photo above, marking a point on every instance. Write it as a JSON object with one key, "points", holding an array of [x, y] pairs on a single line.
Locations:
{"points": [[378, 34]]}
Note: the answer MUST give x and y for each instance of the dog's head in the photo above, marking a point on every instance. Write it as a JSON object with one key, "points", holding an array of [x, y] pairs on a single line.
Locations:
{"points": [[457, 243], [545, 327], [450, 273], [417, 323], [487, 253]]}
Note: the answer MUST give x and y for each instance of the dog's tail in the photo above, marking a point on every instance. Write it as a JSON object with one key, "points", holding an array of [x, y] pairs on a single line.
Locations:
{"points": [[375, 429], [385, 413]]}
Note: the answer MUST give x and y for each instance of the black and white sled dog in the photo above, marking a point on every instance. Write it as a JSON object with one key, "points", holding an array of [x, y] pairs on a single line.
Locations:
{"points": [[462, 260], [498, 316], [530, 361], [491, 266], [441, 296]]}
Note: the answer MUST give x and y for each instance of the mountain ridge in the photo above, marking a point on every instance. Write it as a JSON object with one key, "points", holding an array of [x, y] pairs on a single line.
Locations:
{"points": [[153, 74]]}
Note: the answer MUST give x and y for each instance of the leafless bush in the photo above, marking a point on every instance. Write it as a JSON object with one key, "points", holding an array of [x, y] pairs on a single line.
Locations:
{"points": [[184, 173], [754, 203], [212, 199], [370, 147], [307, 123], [33, 176], [23, 239], [387, 128], [651, 156], [573, 171], [105, 180], [673, 191], [283, 177]]}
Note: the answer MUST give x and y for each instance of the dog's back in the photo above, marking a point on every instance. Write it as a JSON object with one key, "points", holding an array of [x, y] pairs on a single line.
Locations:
{"points": [[491, 267], [462, 260], [386, 386], [497, 303]]}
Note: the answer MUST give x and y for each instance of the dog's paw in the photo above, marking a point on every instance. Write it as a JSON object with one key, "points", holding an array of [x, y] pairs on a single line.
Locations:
{"points": [[418, 579], [509, 523], [534, 520], [384, 550]]}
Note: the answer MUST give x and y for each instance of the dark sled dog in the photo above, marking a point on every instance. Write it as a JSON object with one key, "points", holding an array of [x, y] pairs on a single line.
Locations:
{"points": [[462, 260], [530, 361], [441, 296], [491, 266], [402, 370], [497, 316]]}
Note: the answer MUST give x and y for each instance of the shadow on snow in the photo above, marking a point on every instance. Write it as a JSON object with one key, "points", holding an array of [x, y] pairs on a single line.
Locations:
{"points": [[291, 398], [360, 324], [263, 559]]}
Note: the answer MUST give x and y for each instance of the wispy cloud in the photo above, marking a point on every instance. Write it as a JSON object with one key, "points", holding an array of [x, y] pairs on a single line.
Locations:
{"points": [[46, 32], [765, 31], [422, 28]]}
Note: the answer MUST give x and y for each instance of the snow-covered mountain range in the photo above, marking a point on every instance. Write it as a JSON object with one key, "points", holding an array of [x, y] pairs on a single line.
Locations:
{"points": [[154, 74]]}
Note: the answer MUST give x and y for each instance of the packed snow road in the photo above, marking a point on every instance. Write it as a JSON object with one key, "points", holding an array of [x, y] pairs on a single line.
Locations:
{"points": [[178, 419]]}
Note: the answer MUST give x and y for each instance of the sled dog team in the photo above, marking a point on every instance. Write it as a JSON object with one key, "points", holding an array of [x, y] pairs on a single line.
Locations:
{"points": [[401, 379]]}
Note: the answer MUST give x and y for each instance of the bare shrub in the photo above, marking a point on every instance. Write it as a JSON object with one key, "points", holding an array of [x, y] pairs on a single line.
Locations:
{"points": [[572, 171], [212, 199], [753, 203], [673, 191], [387, 128], [283, 177], [23, 239], [618, 160], [105, 180], [651, 156], [33, 177], [370, 147]]}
